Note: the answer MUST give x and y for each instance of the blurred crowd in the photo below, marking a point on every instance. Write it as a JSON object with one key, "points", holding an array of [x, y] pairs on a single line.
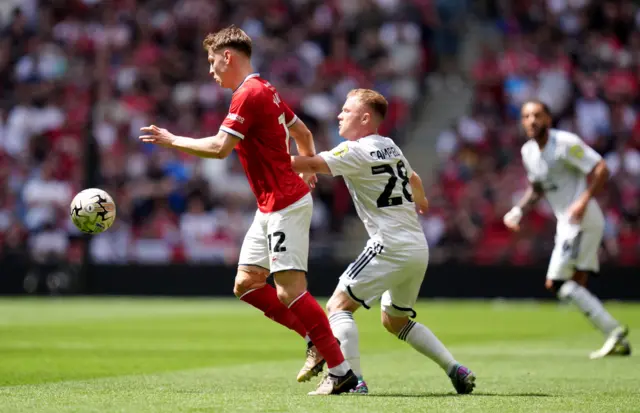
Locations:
{"points": [[80, 77], [582, 58]]}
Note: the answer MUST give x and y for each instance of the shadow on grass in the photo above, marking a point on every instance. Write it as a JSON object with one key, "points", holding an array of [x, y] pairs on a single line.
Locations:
{"points": [[479, 394]]}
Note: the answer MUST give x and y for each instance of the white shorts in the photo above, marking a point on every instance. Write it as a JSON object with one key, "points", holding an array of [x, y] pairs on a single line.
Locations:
{"points": [[279, 241], [395, 276], [576, 249]]}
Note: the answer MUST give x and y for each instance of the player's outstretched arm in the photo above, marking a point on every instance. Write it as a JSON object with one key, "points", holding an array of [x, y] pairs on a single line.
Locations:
{"points": [[532, 195], [310, 164], [417, 190], [303, 137], [217, 147]]}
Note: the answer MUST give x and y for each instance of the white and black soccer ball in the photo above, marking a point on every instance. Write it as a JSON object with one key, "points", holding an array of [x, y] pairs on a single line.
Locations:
{"points": [[93, 211]]}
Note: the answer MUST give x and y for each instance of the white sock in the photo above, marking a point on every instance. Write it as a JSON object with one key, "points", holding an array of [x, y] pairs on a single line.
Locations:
{"points": [[341, 369], [589, 305], [346, 331], [423, 340]]}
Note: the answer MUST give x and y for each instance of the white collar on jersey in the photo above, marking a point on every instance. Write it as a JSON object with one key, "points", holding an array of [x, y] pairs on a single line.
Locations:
{"points": [[374, 135], [247, 78]]}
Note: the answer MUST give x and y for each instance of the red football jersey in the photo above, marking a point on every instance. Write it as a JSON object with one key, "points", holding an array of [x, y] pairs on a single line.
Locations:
{"points": [[262, 120]]}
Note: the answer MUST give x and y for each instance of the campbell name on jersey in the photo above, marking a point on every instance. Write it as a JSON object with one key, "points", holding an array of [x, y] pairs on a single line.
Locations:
{"points": [[561, 167], [377, 175]]}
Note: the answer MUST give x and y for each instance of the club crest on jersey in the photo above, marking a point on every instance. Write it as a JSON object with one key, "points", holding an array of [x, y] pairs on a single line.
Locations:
{"points": [[235, 117], [576, 151], [340, 151]]}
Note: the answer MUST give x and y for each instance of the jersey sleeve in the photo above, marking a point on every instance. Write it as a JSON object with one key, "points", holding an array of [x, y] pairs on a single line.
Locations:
{"points": [[289, 117], [241, 114], [580, 155], [344, 160], [530, 176]]}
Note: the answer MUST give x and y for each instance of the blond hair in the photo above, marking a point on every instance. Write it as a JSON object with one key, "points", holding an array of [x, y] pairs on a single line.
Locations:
{"points": [[373, 99], [229, 37]]}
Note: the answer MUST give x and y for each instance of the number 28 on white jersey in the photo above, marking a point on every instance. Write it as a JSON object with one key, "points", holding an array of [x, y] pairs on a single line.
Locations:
{"points": [[377, 175]]}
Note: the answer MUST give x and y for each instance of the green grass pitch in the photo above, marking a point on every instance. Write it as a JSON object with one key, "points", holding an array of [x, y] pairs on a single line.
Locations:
{"points": [[213, 355]]}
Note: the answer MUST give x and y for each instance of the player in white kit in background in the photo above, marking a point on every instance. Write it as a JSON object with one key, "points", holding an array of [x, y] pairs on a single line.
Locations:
{"points": [[393, 264], [557, 165]]}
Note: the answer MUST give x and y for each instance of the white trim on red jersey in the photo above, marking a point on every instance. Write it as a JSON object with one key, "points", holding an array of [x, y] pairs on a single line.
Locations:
{"points": [[292, 121], [247, 78], [232, 132]]}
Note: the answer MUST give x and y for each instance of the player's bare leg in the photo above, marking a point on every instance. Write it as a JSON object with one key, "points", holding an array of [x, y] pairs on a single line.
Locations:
{"points": [[425, 342], [251, 287], [575, 290], [292, 292]]}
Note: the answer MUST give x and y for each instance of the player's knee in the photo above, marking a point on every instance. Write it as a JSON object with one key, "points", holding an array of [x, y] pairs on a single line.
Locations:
{"points": [[388, 326], [566, 289], [580, 277], [285, 296], [340, 301], [394, 324], [553, 285], [290, 285], [247, 280], [332, 305]]}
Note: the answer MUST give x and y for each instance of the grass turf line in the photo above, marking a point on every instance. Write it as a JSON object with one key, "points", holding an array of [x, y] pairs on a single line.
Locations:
{"points": [[166, 355]]}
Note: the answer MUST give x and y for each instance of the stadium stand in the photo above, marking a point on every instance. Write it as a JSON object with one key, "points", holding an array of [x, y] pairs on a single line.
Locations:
{"points": [[580, 57], [79, 72]]}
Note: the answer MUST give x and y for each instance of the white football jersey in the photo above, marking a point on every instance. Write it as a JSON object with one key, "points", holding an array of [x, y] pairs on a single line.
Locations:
{"points": [[377, 175], [562, 168]]}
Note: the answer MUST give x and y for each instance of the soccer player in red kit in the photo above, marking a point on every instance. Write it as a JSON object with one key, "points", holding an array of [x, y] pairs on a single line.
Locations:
{"points": [[258, 127]]}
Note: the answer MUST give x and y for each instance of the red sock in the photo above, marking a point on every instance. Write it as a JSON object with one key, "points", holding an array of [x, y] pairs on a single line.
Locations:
{"points": [[317, 325], [266, 300]]}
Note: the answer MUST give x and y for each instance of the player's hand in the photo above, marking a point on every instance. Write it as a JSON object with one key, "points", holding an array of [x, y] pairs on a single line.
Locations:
{"points": [[157, 136], [512, 219], [310, 179], [576, 211], [422, 206]]}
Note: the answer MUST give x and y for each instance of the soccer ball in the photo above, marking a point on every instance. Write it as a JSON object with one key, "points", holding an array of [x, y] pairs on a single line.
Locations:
{"points": [[93, 211]]}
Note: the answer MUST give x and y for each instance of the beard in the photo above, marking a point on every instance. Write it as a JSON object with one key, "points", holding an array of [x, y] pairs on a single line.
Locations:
{"points": [[542, 132]]}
